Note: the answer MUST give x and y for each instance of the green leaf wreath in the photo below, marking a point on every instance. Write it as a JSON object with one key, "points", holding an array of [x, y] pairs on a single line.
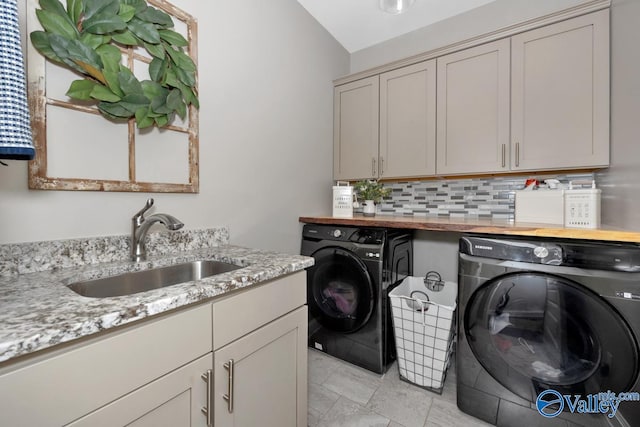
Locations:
{"points": [[86, 36]]}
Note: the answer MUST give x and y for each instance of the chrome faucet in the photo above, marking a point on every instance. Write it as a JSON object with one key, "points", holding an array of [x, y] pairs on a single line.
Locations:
{"points": [[140, 225]]}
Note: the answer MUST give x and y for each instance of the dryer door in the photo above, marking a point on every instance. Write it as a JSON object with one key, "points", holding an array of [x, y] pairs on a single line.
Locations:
{"points": [[536, 331], [340, 290]]}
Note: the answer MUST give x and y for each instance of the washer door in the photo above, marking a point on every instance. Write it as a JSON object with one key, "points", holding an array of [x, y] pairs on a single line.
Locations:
{"points": [[339, 290], [536, 331]]}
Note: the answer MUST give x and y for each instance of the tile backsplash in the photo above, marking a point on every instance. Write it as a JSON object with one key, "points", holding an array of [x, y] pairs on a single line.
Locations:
{"points": [[491, 197]]}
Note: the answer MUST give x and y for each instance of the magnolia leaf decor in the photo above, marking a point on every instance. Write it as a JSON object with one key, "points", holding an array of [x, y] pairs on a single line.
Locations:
{"points": [[88, 36]]}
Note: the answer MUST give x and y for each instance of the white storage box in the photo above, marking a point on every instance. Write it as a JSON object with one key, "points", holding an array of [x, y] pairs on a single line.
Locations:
{"points": [[582, 208], [342, 200], [542, 206], [424, 327]]}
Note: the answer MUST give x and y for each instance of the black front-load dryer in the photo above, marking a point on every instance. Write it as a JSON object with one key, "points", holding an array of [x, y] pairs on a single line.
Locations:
{"points": [[548, 332], [347, 290]]}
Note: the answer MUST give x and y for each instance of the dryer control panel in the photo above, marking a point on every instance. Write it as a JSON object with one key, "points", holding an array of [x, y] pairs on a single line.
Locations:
{"points": [[581, 254], [512, 250]]}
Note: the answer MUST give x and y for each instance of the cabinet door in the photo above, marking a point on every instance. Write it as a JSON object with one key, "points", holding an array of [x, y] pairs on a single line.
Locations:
{"points": [[355, 130], [408, 121], [473, 110], [174, 400], [560, 95], [265, 373], [78, 379]]}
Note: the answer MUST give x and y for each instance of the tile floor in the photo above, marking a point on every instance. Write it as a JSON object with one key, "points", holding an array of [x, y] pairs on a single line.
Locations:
{"points": [[344, 395]]}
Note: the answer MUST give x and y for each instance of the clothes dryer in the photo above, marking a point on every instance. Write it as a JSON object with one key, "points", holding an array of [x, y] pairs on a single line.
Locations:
{"points": [[347, 290], [546, 326]]}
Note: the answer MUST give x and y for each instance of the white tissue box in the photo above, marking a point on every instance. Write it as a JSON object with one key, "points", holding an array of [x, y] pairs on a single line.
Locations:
{"points": [[542, 206]]}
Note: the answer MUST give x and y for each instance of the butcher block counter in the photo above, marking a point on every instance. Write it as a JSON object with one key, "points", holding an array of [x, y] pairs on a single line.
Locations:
{"points": [[478, 225]]}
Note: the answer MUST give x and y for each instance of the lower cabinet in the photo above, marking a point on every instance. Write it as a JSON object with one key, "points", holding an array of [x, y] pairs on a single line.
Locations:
{"points": [[258, 377], [155, 373], [174, 400], [60, 387]]}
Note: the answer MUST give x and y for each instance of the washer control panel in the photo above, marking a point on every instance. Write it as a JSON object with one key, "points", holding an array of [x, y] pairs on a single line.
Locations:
{"points": [[367, 236]]}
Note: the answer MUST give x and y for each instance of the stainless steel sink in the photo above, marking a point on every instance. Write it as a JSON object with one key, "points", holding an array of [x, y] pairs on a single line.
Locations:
{"points": [[146, 280]]}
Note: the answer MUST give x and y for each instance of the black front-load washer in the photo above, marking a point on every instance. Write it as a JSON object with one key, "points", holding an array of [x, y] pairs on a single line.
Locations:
{"points": [[347, 290], [546, 326]]}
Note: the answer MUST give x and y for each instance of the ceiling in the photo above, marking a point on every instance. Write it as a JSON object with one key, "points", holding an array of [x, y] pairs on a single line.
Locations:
{"points": [[358, 24]]}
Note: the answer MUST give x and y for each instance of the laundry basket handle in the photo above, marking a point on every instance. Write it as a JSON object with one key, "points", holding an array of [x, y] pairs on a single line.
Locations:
{"points": [[423, 303], [433, 281]]}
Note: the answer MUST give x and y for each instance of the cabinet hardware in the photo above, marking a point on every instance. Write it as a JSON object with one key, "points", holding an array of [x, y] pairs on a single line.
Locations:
{"points": [[373, 167], [517, 154], [381, 165], [504, 151], [229, 396], [208, 410]]}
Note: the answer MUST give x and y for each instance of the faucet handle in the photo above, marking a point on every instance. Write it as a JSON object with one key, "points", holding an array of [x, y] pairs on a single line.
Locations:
{"points": [[146, 207]]}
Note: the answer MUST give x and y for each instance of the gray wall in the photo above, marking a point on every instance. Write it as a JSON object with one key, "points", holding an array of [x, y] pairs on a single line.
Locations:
{"points": [[436, 251], [266, 118], [621, 182], [491, 17]]}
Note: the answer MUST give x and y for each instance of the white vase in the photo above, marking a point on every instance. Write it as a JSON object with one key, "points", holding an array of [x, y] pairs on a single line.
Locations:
{"points": [[369, 208]]}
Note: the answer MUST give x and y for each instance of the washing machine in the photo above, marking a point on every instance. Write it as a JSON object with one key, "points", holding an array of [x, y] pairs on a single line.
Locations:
{"points": [[548, 330], [347, 290]]}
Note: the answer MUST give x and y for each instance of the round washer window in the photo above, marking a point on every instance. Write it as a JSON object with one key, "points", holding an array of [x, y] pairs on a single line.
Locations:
{"points": [[340, 290], [536, 331]]}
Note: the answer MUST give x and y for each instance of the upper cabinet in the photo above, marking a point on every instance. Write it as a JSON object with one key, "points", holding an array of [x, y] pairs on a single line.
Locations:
{"points": [[385, 126], [537, 100], [408, 121], [355, 130], [473, 110], [560, 95]]}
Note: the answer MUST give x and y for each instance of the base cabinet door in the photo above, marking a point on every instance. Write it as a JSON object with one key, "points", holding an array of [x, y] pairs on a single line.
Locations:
{"points": [[62, 386], [174, 400], [260, 379]]}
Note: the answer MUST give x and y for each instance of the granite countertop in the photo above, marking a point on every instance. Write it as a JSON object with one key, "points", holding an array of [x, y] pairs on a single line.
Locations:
{"points": [[478, 225], [38, 311]]}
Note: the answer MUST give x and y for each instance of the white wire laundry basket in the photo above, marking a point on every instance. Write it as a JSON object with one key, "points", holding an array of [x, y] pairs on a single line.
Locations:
{"points": [[424, 324]]}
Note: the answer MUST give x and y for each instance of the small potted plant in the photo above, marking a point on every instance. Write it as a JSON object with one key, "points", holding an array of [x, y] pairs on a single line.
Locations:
{"points": [[370, 192]]}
